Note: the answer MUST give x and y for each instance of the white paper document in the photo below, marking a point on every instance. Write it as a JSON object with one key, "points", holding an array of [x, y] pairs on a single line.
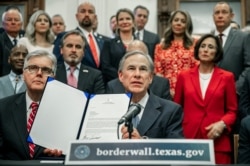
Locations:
{"points": [[104, 111], [63, 109]]}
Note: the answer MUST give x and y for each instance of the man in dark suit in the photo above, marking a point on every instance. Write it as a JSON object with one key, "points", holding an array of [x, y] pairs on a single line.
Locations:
{"points": [[159, 118], [85, 78], [159, 87], [86, 15], [12, 24], [15, 110], [141, 14], [244, 142], [235, 44]]}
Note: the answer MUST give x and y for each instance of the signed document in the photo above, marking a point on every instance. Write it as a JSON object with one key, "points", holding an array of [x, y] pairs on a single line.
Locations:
{"points": [[103, 113], [66, 114]]}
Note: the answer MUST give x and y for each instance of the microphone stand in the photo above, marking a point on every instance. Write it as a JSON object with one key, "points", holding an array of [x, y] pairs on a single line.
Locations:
{"points": [[129, 125]]}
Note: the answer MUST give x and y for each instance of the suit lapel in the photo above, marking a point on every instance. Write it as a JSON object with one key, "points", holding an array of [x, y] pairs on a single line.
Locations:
{"points": [[149, 115], [61, 74], [196, 81], [212, 86], [120, 44], [7, 42], [20, 118], [83, 78], [229, 40]]}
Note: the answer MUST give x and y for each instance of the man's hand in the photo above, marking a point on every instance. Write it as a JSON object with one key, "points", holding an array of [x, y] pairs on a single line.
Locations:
{"points": [[52, 152], [134, 135]]}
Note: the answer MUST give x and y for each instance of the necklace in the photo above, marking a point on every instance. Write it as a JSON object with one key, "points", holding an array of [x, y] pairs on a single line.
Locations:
{"points": [[205, 76], [126, 42]]}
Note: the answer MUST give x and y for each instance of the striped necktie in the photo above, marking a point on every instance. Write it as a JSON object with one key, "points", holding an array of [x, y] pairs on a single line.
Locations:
{"points": [[33, 107]]}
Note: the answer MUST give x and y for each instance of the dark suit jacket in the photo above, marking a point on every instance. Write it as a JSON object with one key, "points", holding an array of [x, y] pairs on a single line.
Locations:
{"points": [[13, 130], [5, 47], [161, 119], [151, 39], [237, 56], [89, 80], [244, 142], [112, 52], [160, 87], [88, 58], [244, 100]]}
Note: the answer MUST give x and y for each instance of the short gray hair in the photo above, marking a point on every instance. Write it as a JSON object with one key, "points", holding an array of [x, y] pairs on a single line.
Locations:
{"points": [[131, 53], [41, 53]]}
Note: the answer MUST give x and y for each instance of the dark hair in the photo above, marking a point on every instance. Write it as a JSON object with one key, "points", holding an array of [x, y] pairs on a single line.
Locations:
{"points": [[141, 7], [73, 32], [219, 49], [125, 10], [169, 34]]}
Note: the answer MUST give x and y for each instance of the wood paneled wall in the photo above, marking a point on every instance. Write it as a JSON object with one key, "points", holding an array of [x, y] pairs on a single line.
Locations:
{"points": [[30, 6], [165, 7]]}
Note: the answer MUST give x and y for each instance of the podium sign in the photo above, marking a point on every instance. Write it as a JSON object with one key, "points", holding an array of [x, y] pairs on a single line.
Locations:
{"points": [[146, 152]]}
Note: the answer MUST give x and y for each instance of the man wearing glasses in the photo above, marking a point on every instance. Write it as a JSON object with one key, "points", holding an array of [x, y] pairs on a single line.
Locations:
{"points": [[16, 111]]}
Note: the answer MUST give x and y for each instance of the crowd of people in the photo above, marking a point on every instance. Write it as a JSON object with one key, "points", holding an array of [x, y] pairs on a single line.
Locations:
{"points": [[187, 87]]}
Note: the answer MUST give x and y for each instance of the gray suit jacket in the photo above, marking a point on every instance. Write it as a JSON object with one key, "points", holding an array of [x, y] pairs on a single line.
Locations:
{"points": [[236, 56], [89, 80], [6, 87], [151, 39]]}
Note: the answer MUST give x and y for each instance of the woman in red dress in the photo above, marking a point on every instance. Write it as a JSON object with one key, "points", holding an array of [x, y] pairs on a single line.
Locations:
{"points": [[175, 52], [207, 94]]}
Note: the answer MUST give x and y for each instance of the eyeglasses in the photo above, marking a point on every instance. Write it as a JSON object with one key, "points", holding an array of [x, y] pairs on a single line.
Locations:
{"points": [[34, 69]]}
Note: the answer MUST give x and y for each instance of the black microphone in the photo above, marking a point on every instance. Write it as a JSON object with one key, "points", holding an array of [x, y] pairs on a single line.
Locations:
{"points": [[134, 109]]}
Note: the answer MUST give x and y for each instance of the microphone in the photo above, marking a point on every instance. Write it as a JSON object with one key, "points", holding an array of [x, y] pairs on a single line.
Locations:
{"points": [[134, 109]]}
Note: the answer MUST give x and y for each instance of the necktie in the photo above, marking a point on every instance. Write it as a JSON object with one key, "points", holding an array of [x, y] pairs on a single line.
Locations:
{"points": [[14, 41], [136, 120], [34, 107], [220, 37], [93, 50], [16, 82], [71, 78], [137, 35]]}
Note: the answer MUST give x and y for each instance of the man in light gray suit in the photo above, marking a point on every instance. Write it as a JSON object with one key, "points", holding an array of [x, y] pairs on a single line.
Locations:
{"points": [[141, 14], [13, 82], [235, 44]]}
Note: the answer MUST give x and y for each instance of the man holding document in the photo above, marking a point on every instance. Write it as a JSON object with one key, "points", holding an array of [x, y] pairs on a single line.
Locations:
{"points": [[158, 118], [17, 112]]}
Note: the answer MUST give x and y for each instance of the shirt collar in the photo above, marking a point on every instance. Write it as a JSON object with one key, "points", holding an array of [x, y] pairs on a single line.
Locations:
{"points": [[13, 75], [68, 67], [225, 32], [28, 101], [144, 100]]}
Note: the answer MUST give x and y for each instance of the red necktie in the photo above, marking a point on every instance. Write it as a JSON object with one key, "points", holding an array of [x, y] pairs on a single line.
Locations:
{"points": [[71, 78], [93, 50], [34, 107]]}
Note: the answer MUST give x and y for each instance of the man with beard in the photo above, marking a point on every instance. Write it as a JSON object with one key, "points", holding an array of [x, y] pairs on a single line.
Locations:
{"points": [[86, 17], [72, 72], [13, 82]]}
